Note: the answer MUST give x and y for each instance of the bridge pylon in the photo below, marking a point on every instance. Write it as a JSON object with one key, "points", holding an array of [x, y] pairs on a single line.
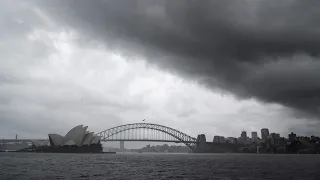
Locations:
{"points": [[201, 144], [122, 146]]}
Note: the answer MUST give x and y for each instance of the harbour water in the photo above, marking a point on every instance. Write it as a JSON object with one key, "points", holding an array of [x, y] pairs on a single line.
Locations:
{"points": [[158, 166]]}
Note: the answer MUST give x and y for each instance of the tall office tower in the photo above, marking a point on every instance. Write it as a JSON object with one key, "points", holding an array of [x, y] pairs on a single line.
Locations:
{"points": [[292, 136], [264, 134], [254, 137], [244, 134]]}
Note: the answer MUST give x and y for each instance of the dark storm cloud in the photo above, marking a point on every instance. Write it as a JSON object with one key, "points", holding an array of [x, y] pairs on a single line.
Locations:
{"points": [[266, 50]]}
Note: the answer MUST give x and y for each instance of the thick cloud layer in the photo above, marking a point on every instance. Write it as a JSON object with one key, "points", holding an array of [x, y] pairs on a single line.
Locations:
{"points": [[267, 50]]}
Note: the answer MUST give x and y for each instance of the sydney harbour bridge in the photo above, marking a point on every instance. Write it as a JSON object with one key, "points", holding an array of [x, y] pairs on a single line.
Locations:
{"points": [[139, 132]]}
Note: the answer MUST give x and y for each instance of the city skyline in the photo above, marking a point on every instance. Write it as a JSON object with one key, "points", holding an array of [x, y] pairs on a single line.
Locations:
{"points": [[79, 136]]}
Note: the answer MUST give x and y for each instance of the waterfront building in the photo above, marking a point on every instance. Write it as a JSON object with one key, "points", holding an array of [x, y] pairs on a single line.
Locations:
{"points": [[264, 134], [275, 139], [247, 141], [222, 139], [219, 139], [235, 140], [241, 140], [292, 136], [244, 134], [258, 140], [231, 140], [315, 139], [254, 137], [77, 136], [216, 139], [282, 141]]}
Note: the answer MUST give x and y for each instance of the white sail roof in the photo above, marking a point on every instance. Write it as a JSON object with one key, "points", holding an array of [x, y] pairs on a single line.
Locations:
{"points": [[57, 139], [87, 139], [76, 134], [95, 139], [72, 131]]}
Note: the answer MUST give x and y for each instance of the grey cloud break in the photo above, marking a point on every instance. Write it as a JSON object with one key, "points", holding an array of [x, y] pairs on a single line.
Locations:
{"points": [[266, 50]]}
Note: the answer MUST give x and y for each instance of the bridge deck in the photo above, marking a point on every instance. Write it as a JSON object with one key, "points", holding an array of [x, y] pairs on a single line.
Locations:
{"points": [[149, 140]]}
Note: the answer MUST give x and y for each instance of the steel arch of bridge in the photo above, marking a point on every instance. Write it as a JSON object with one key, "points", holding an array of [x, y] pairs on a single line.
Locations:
{"points": [[178, 135]]}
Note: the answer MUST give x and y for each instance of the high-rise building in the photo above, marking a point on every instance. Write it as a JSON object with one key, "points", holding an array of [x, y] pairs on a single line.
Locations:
{"points": [[244, 134], [292, 136], [254, 137], [275, 138], [264, 134]]}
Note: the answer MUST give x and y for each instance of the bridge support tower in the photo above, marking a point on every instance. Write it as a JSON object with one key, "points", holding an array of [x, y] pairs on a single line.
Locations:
{"points": [[201, 145], [122, 146]]}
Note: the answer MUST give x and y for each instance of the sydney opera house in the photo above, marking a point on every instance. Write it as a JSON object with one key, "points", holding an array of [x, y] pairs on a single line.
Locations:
{"points": [[77, 140]]}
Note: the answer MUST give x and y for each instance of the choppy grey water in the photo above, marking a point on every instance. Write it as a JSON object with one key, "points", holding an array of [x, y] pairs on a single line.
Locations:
{"points": [[158, 166]]}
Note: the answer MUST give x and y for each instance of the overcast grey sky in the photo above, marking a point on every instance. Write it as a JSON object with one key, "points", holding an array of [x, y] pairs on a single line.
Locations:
{"points": [[212, 67]]}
